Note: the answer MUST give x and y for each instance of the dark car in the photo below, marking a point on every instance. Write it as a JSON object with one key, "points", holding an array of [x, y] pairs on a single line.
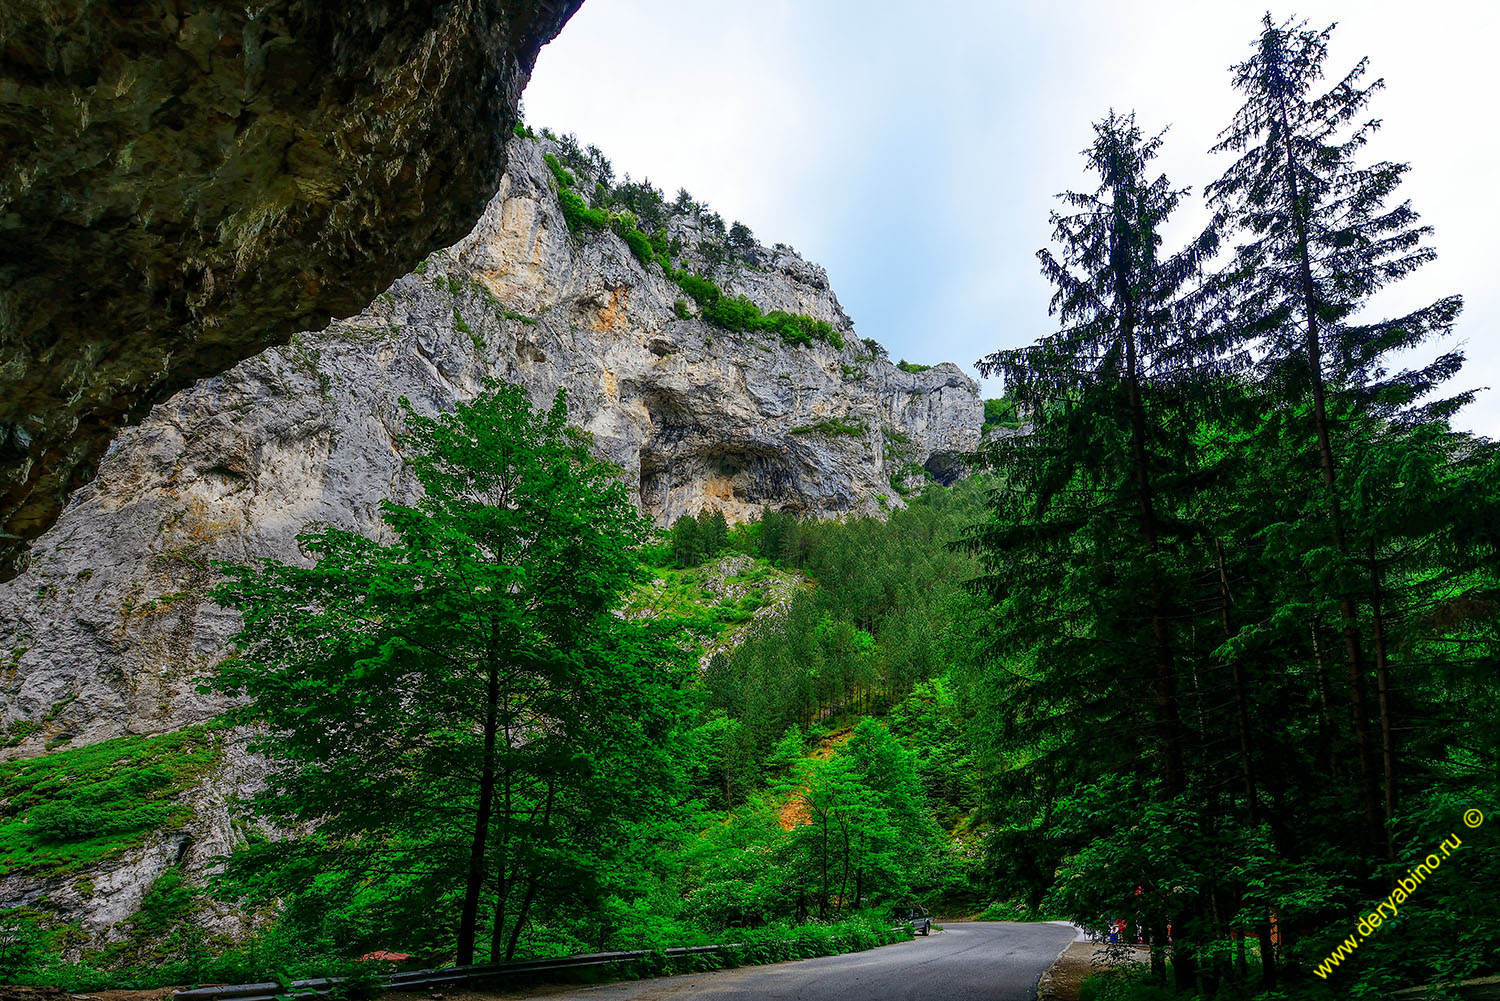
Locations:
{"points": [[915, 915]]}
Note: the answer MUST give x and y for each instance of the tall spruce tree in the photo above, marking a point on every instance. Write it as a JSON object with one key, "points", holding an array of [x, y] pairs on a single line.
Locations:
{"points": [[1083, 551], [1317, 238]]}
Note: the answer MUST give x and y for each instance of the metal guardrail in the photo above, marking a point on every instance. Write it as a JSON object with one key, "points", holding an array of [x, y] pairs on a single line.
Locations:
{"points": [[446, 975]]}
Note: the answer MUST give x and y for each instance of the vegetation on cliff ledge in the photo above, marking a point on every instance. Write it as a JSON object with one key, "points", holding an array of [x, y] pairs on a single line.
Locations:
{"points": [[735, 313]]}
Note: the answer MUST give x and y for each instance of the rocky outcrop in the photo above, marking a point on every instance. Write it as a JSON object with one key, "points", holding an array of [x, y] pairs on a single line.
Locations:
{"points": [[110, 626], [102, 899], [109, 629], [186, 184]]}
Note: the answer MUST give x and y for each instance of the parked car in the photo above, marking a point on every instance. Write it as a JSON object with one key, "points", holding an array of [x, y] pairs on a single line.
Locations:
{"points": [[916, 916]]}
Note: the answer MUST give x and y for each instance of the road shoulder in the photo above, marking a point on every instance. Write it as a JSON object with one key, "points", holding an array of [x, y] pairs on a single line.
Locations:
{"points": [[1076, 963]]}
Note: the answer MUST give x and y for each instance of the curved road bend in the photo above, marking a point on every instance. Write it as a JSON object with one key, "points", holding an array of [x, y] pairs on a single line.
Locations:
{"points": [[974, 961]]}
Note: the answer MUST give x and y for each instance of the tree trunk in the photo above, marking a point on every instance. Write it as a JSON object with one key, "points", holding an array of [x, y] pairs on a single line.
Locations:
{"points": [[844, 878], [497, 927], [1167, 717], [823, 900], [531, 884], [1241, 697], [1326, 727], [469, 918], [525, 912], [1387, 728], [1348, 620], [1156, 938], [1267, 954], [502, 889]]}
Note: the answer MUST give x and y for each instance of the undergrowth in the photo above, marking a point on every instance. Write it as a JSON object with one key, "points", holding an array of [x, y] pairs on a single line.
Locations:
{"points": [[67, 811]]}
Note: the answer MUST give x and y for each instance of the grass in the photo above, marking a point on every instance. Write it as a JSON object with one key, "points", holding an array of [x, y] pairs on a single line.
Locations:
{"points": [[62, 813], [268, 959]]}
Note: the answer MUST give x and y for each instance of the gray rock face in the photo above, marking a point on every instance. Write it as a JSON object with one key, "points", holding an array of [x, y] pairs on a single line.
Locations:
{"points": [[184, 184], [108, 629]]}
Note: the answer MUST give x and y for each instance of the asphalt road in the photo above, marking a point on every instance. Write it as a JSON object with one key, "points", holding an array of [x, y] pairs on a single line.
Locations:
{"points": [[989, 961]]}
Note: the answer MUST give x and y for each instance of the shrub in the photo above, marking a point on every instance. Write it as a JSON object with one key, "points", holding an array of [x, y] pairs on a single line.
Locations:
{"points": [[737, 313], [909, 366], [62, 822], [796, 328], [577, 213], [702, 291], [680, 307], [561, 174], [20, 945], [642, 199], [639, 245]]}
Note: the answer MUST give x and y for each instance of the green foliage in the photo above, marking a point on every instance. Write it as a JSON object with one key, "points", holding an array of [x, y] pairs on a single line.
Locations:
{"points": [[560, 174], [64, 812], [680, 309], [889, 612], [695, 539], [1127, 983], [639, 245], [21, 945], [577, 213], [740, 314], [1000, 414], [458, 661], [1237, 589], [909, 366]]}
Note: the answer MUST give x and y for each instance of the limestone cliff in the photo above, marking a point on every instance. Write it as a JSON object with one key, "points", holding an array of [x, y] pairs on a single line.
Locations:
{"points": [[184, 184], [108, 629]]}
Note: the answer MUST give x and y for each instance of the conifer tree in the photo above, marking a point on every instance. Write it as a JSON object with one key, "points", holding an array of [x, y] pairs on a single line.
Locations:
{"points": [[1083, 549], [1317, 239], [1085, 387]]}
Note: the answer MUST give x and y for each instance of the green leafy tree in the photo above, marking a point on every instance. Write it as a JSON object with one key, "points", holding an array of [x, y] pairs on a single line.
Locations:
{"points": [[460, 704]]}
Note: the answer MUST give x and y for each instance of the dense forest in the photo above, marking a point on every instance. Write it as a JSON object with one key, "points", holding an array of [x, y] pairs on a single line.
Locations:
{"points": [[1205, 646], [1240, 645]]}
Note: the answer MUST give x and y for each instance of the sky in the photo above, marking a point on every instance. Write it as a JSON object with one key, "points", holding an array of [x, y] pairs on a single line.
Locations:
{"points": [[914, 150]]}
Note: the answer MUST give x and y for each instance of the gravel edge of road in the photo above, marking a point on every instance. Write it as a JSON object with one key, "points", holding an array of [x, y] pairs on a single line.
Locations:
{"points": [[1055, 983]]}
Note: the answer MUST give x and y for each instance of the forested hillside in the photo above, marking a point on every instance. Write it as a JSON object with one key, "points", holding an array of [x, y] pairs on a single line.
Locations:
{"points": [[815, 768]]}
